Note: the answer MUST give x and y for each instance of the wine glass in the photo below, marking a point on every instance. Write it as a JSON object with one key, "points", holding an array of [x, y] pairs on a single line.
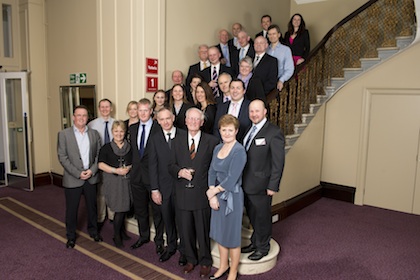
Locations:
{"points": [[192, 172], [122, 165]]}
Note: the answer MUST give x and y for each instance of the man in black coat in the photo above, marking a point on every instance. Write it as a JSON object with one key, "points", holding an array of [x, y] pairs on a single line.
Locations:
{"points": [[191, 155], [140, 134], [264, 143]]}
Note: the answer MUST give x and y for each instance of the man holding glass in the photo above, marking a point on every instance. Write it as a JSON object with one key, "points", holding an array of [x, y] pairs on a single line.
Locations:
{"points": [[191, 156]]}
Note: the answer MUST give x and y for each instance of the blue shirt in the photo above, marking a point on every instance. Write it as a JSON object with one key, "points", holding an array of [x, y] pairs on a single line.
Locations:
{"points": [[284, 60]]}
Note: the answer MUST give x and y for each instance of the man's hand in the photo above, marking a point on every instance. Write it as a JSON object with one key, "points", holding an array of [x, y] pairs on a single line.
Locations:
{"points": [[157, 197]]}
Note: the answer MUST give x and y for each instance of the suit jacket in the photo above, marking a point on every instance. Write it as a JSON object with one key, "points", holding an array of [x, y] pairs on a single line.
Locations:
{"points": [[159, 159], [194, 69], [180, 117], [265, 161], [301, 44], [140, 171], [235, 58], [192, 198], [71, 160], [255, 89], [267, 70], [207, 73], [243, 117], [231, 49]]}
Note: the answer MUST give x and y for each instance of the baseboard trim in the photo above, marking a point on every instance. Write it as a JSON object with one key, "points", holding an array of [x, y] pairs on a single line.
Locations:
{"points": [[338, 192], [289, 207], [42, 179], [57, 179]]}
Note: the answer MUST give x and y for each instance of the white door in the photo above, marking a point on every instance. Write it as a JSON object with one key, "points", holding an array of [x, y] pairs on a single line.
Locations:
{"points": [[15, 127], [393, 144]]}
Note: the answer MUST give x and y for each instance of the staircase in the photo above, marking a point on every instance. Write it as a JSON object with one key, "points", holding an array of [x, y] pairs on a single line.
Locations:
{"points": [[337, 82]]}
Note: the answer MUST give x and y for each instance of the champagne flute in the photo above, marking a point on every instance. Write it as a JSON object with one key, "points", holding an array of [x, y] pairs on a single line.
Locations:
{"points": [[192, 172]]}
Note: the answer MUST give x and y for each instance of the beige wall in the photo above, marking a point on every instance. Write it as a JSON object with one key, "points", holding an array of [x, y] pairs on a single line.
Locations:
{"points": [[72, 48], [344, 156], [191, 23], [321, 16]]}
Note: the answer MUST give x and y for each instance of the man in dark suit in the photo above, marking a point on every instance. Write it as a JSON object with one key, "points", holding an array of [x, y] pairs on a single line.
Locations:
{"points": [[161, 182], [237, 106], [265, 23], [225, 49], [265, 66], [246, 49], [190, 161], [211, 74], [140, 134], [196, 68], [264, 143], [78, 150]]}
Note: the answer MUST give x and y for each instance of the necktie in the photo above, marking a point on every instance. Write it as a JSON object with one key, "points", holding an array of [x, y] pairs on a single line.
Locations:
{"points": [[226, 55], [143, 136], [233, 111], [107, 140], [192, 149], [226, 99], [242, 53], [214, 78], [204, 65], [169, 140], [257, 59], [251, 135]]}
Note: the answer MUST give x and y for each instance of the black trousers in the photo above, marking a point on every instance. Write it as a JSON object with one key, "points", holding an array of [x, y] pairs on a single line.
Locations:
{"points": [[72, 207], [195, 229], [168, 216], [258, 208], [141, 201]]}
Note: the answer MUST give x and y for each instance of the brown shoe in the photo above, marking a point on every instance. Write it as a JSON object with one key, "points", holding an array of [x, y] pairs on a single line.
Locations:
{"points": [[188, 268], [204, 271]]}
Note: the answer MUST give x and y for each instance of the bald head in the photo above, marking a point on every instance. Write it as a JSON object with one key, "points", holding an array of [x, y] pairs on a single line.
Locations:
{"points": [[257, 111], [223, 36]]}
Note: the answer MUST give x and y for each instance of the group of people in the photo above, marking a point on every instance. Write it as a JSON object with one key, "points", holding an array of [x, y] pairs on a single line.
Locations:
{"points": [[197, 155]]}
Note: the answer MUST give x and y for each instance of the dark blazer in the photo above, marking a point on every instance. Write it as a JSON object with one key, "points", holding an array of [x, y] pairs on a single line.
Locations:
{"points": [[209, 116], [267, 70], [262, 34], [180, 117], [231, 49], [265, 161], [194, 69], [71, 160], [235, 58], [192, 198], [159, 158], [255, 89], [140, 173], [243, 117], [207, 73], [301, 44]]}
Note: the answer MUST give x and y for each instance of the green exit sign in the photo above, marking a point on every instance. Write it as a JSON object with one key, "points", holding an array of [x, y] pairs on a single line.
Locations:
{"points": [[78, 78]]}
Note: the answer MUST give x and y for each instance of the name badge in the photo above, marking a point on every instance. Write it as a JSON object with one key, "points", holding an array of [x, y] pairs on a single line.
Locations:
{"points": [[260, 142]]}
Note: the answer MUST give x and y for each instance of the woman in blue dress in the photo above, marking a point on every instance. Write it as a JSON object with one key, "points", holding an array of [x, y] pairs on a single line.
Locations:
{"points": [[226, 197]]}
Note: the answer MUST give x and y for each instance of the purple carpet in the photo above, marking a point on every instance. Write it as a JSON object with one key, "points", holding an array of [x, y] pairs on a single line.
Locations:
{"points": [[327, 240]]}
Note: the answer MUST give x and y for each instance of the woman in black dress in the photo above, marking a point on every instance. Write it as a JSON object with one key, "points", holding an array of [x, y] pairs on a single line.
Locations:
{"points": [[115, 159]]}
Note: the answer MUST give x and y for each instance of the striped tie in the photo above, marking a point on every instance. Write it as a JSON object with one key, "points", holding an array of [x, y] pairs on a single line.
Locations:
{"points": [[214, 78]]}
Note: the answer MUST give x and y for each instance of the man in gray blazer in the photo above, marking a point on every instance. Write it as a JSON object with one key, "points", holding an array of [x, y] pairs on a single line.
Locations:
{"points": [[78, 149]]}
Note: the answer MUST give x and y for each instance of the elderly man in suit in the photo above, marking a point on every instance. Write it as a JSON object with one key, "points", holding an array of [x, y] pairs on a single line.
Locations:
{"points": [[161, 182], [140, 134], [246, 49], [237, 106], [196, 68], [78, 149], [191, 156], [264, 143], [265, 65]]}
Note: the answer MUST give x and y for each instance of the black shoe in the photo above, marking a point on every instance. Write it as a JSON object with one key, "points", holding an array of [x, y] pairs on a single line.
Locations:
{"points": [[219, 277], [166, 256], [159, 249], [118, 242], [70, 243], [97, 237], [182, 260], [139, 243], [248, 249], [257, 255]]}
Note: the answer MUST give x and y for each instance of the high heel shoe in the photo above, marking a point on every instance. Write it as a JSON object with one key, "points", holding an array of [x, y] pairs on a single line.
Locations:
{"points": [[219, 277]]}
